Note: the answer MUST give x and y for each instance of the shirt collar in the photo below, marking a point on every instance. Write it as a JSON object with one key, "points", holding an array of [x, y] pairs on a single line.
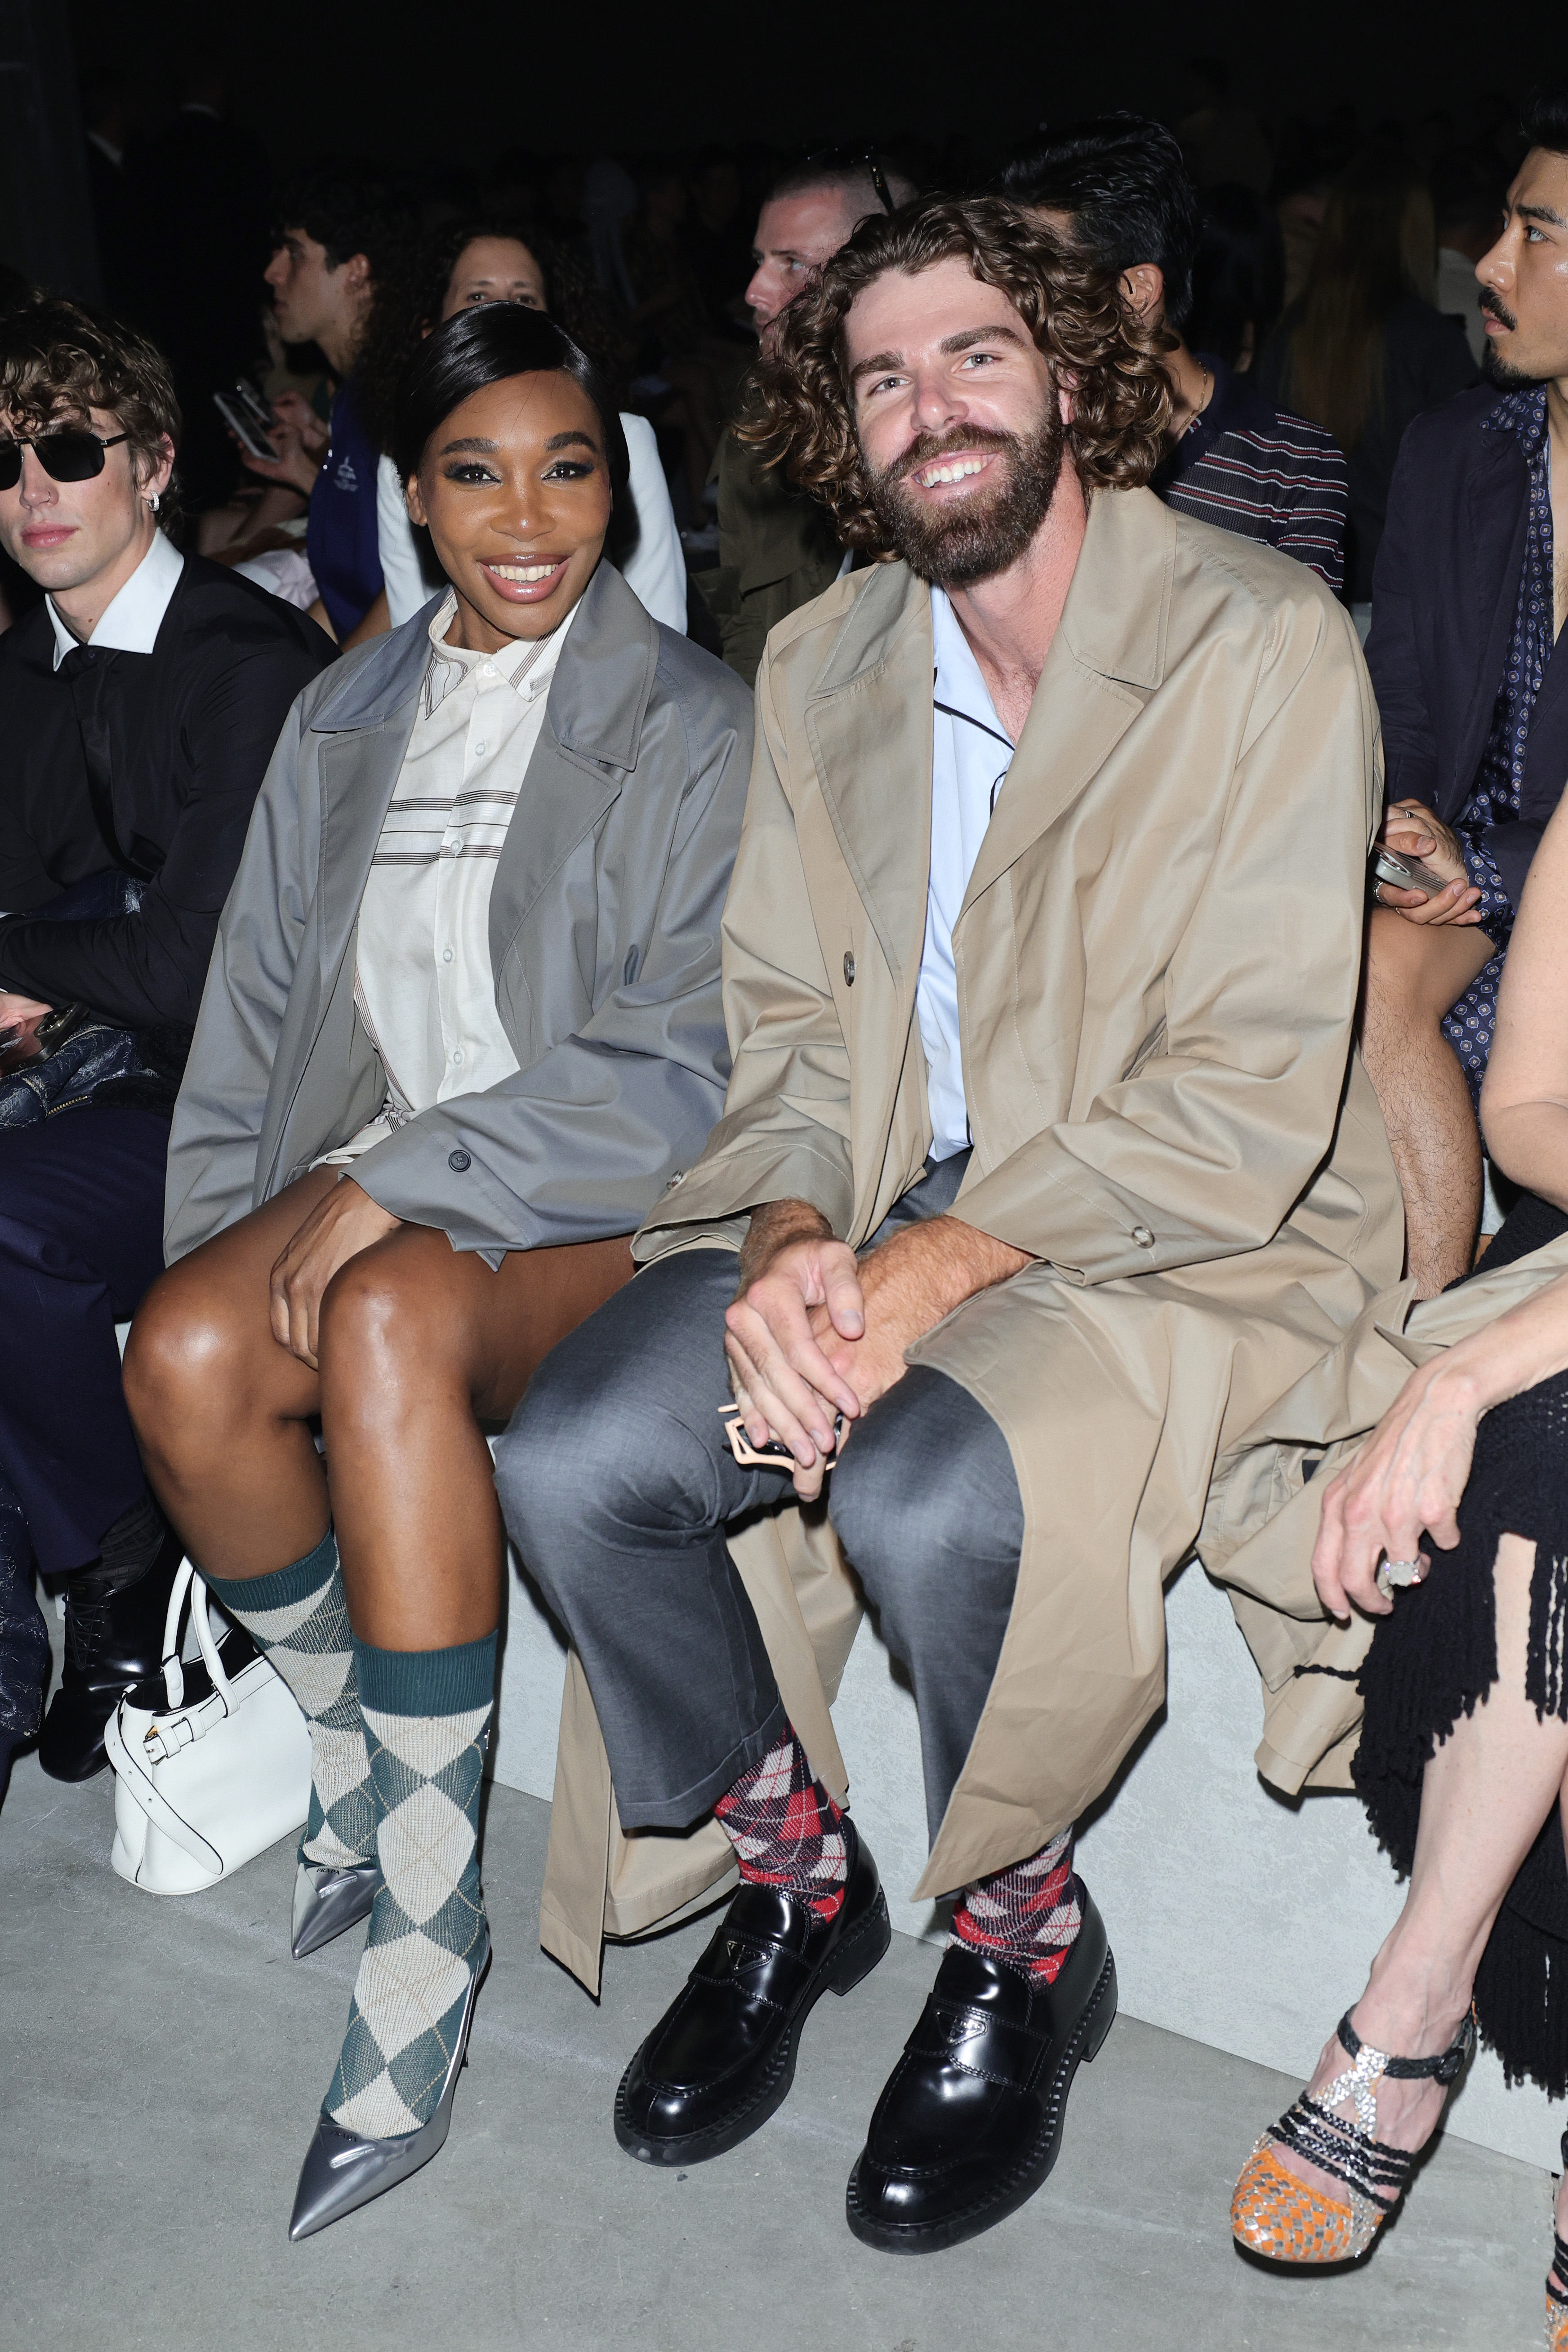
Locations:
{"points": [[960, 684], [132, 617], [1523, 412], [528, 665]]}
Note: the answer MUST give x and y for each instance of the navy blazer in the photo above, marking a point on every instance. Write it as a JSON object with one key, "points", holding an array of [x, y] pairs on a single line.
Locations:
{"points": [[1444, 595]]}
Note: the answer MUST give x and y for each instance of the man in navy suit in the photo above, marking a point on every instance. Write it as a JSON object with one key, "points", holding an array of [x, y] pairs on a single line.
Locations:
{"points": [[1468, 604]]}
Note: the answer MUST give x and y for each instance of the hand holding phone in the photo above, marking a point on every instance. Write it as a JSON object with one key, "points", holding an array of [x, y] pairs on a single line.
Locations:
{"points": [[1405, 873]]}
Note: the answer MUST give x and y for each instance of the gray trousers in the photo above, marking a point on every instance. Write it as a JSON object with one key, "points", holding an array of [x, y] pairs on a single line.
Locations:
{"points": [[618, 1485]]}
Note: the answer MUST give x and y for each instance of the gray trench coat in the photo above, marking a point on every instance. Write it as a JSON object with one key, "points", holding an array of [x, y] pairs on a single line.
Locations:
{"points": [[604, 935]]}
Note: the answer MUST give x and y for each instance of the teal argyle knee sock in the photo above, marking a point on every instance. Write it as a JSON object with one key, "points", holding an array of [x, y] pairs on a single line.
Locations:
{"points": [[300, 1619], [426, 1719]]}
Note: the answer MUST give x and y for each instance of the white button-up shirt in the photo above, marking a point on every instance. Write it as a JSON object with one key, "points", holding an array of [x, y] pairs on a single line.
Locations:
{"points": [[132, 617], [970, 753], [424, 981]]}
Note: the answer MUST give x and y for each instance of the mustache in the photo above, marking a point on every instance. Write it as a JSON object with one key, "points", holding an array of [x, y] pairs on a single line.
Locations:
{"points": [[932, 445], [1498, 310]]}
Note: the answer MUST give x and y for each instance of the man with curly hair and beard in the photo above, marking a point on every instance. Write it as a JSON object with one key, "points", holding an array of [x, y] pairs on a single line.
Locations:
{"points": [[1048, 1165]]}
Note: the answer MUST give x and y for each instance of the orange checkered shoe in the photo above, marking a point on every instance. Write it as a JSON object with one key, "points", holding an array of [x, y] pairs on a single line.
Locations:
{"points": [[1274, 2214]]}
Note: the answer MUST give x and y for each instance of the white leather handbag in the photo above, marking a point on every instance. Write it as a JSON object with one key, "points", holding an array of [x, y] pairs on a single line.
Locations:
{"points": [[201, 1786]]}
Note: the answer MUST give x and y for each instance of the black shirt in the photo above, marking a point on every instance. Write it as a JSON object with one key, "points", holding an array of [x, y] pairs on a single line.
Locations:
{"points": [[141, 764]]}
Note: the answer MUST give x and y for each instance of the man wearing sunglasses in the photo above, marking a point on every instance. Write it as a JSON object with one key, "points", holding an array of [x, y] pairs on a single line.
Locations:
{"points": [[138, 706], [776, 550]]}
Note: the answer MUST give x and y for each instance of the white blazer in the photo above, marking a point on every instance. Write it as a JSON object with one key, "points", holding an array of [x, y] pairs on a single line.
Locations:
{"points": [[655, 571]]}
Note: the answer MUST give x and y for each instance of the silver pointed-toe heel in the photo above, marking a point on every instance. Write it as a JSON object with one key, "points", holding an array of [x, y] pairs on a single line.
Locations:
{"points": [[328, 1900], [343, 2169]]}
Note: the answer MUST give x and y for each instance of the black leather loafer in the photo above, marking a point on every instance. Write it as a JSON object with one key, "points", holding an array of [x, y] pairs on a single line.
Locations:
{"points": [[721, 2058], [114, 1639], [970, 2122]]}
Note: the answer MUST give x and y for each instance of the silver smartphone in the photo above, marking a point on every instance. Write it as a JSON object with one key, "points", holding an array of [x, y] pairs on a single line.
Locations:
{"points": [[1405, 873], [247, 431]]}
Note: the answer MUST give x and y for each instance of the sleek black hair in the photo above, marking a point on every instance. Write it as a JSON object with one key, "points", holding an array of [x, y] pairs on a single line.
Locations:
{"points": [[349, 212], [1544, 119], [1121, 181], [1238, 276], [487, 346]]}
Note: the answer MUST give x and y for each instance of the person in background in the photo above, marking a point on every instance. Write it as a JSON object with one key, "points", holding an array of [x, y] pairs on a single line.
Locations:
{"points": [[776, 549], [107, 114], [340, 237], [503, 835], [1365, 351], [138, 706], [716, 245], [487, 257], [1117, 186], [1467, 203], [1238, 276], [1468, 607]]}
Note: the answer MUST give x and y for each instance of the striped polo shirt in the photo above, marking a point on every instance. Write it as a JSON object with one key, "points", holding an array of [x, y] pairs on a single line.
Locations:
{"points": [[1265, 475]]}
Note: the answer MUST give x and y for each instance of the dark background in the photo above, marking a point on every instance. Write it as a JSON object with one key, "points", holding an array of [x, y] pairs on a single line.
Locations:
{"points": [[459, 84]]}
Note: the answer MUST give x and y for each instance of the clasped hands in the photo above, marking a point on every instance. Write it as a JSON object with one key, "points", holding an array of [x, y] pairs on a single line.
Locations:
{"points": [[815, 1331]]}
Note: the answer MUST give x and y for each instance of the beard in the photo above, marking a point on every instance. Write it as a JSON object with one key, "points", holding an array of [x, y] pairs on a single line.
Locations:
{"points": [[953, 546], [1494, 367]]}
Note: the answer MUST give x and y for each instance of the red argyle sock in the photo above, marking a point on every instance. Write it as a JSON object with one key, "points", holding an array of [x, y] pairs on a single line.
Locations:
{"points": [[1027, 1917], [786, 1830]]}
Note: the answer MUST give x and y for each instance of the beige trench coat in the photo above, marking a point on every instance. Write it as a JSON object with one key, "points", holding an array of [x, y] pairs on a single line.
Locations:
{"points": [[1157, 960]]}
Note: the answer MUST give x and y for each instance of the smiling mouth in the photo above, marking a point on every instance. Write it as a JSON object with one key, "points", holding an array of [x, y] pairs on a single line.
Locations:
{"points": [[949, 469], [523, 583]]}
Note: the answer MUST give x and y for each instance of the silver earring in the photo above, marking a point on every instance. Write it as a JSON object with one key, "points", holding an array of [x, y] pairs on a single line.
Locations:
{"points": [[153, 500]]}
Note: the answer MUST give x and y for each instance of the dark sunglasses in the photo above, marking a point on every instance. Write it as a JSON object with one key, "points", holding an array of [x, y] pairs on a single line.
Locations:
{"points": [[64, 456], [849, 158]]}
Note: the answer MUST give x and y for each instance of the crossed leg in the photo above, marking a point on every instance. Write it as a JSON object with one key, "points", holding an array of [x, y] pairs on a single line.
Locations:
{"points": [[1414, 974], [419, 1343]]}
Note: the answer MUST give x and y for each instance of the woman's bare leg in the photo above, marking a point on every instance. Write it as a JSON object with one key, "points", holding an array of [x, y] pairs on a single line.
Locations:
{"points": [[221, 1411], [1485, 1795], [418, 1343], [1413, 977]]}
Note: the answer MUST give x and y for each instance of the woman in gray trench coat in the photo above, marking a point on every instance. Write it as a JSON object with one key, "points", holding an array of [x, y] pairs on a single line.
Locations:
{"points": [[462, 1025]]}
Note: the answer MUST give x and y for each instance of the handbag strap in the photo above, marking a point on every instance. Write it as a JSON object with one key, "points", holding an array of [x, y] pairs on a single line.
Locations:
{"points": [[189, 1581], [173, 1671]]}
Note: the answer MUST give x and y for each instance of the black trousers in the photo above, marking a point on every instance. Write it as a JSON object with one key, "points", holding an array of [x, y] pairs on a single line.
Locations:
{"points": [[81, 1239], [618, 1487]]}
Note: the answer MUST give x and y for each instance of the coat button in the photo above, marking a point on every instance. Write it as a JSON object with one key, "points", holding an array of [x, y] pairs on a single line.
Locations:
{"points": [[678, 1177], [1143, 1237], [849, 969], [458, 1160]]}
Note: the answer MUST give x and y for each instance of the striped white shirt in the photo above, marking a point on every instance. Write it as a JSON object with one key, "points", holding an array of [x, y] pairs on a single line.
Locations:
{"points": [[423, 978]]}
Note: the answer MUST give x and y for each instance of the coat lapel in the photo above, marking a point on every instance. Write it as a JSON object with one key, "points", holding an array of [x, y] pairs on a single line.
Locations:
{"points": [[1108, 654], [1498, 504], [869, 723], [587, 749], [363, 728]]}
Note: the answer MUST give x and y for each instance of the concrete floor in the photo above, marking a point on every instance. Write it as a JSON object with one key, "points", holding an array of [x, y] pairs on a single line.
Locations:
{"points": [[165, 2059]]}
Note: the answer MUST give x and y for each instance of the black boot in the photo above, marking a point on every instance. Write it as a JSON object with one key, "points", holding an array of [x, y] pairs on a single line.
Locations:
{"points": [[114, 1637]]}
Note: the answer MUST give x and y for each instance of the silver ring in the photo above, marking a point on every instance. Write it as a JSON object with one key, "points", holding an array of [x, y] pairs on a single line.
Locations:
{"points": [[1404, 1571]]}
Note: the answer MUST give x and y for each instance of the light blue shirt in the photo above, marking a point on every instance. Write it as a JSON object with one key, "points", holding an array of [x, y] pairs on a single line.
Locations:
{"points": [[971, 752]]}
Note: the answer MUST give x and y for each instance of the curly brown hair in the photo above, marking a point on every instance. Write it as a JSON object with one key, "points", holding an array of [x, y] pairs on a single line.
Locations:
{"points": [[59, 359], [799, 413]]}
